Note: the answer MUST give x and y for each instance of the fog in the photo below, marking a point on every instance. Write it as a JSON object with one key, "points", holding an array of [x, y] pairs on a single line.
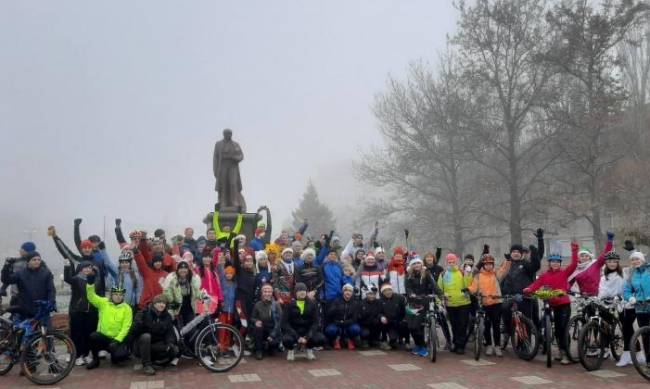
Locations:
{"points": [[112, 109]]}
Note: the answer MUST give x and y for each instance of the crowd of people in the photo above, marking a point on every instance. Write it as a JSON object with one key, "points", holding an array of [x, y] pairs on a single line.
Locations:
{"points": [[302, 293]]}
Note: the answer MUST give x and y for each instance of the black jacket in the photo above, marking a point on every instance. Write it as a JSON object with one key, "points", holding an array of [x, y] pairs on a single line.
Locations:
{"points": [[522, 273], [421, 285], [78, 300], [311, 276], [159, 325], [296, 324], [32, 285], [394, 309], [343, 312], [370, 312]]}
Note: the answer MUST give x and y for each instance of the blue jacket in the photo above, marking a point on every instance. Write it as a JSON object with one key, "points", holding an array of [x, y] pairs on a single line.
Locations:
{"points": [[229, 289], [257, 244], [334, 279], [32, 285], [638, 286]]}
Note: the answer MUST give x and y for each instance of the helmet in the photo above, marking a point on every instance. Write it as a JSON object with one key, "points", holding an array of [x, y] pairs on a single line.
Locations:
{"points": [[555, 257], [612, 256], [119, 289], [126, 256], [487, 258]]}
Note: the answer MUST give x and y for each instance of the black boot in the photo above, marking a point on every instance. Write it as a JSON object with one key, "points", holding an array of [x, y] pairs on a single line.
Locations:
{"points": [[93, 364]]}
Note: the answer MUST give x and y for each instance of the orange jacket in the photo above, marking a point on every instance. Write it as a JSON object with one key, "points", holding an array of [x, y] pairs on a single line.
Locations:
{"points": [[487, 284]]}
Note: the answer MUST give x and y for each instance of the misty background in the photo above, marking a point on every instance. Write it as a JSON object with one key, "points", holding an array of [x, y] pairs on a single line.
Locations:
{"points": [[112, 109]]}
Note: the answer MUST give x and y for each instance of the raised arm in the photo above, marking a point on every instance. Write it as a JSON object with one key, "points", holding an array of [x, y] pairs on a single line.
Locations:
{"points": [[77, 233], [215, 224], [608, 247], [118, 233], [574, 259], [373, 237], [63, 248], [238, 223], [267, 236]]}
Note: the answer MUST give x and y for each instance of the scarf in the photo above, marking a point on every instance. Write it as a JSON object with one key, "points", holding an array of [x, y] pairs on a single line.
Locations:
{"points": [[397, 266], [581, 268]]}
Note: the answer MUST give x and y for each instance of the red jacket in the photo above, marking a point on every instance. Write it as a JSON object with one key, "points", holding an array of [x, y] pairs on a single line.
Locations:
{"points": [[151, 279], [558, 279], [169, 264], [589, 279]]}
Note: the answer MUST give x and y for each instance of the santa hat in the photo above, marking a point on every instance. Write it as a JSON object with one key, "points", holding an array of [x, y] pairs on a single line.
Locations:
{"points": [[386, 286]]}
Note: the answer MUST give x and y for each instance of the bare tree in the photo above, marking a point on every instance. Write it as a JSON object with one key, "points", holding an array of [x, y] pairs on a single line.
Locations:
{"points": [[499, 44]]}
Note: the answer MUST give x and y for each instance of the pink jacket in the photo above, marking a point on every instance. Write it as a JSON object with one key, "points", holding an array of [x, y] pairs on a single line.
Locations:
{"points": [[589, 279]]}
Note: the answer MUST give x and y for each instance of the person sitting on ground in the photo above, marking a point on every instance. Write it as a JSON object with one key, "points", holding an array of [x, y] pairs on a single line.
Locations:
{"points": [[300, 324], [393, 311], [267, 321], [343, 320], [154, 334], [115, 320]]}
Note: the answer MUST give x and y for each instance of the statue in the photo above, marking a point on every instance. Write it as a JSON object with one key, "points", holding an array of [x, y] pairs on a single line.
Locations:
{"points": [[227, 155]]}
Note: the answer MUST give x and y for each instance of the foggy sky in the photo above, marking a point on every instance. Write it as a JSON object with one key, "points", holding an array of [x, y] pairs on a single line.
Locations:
{"points": [[112, 109]]}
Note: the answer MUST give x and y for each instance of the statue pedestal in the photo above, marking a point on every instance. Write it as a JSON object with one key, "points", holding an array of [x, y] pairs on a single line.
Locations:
{"points": [[229, 218]]}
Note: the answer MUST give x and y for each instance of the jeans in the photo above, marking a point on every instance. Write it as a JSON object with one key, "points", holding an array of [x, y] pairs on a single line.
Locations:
{"points": [[349, 331]]}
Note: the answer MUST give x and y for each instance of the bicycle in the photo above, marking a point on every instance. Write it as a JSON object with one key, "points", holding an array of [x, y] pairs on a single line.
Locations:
{"points": [[432, 320], [199, 338], [524, 334], [642, 336], [575, 325], [46, 357], [547, 320], [600, 333], [479, 326]]}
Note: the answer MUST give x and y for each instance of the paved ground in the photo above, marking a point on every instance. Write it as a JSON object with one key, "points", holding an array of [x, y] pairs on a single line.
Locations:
{"points": [[358, 369]]}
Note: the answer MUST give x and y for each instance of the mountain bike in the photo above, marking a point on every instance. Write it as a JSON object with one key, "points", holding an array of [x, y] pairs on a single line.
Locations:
{"points": [[45, 356], [642, 337], [432, 322], [524, 335], [576, 323], [603, 331]]}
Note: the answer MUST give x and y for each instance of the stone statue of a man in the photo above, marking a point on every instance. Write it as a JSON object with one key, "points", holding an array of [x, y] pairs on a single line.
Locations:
{"points": [[227, 155]]}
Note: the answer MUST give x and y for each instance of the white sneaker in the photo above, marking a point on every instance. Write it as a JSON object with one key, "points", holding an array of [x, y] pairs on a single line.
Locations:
{"points": [[290, 356], [310, 355], [640, 357], [498, 352], [607, 354], [80, 361], [88, 359], [489, 351], [137, 366], [103, 354], [207, 361], [174, 362], [625, 360]]}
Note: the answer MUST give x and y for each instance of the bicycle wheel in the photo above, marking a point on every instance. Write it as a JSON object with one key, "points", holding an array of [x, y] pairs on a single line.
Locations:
{"points": [[7, 349], [548, 340], [591, 346], [571, 335], [48, 359], [219, 347], [432, 341], [525, 338], [638, 337], [616, 342], [478, 337]]}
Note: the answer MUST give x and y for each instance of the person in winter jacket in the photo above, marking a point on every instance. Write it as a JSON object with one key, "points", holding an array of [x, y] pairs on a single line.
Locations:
{"points": [[152, 276], [431, 263], [393, 311], [637, 292], [101, 260], [34, 282], [587, 274], [182, 289], [300, 324], [155, 335], [556, 278], [210, 283], [369, 275], [380, 258], [486, 285], [82, 315], [396, 272], [454, 285], [19, 264], [419, 286], [245, 278], [267, 323], [309, 274], [115, 320], [284, 277], [129, 278], [262, 232], [519, 273], [223, 234], [342, 320], [357, 243], [263, 273], [369, 316]]}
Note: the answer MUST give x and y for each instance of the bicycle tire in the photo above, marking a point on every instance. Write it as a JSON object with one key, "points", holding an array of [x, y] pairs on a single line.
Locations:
{"points": [[210, 333], [7, 357], [548, 340], [616, 342], [433, 341], [478, 337], [642, 369], [591, 336], [571, 335], [32, 351], [525, 334]]}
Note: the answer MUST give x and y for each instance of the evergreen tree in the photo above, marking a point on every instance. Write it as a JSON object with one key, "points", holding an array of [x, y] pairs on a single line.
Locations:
{"points": [[319, 216]]}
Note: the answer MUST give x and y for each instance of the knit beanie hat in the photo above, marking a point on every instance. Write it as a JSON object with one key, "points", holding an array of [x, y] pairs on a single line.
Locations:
{"points": [[28, 247], [229, 270], [415, 260], [308, 251], [386, 286], [638, 255], [300, 287], [32, 255], [517, 247], [451, 257], [287, 250], [84, 264], [86, 244], [348, 286], [159, 233], [159, 299], [94, 238], [259, 255], [583, 250]]}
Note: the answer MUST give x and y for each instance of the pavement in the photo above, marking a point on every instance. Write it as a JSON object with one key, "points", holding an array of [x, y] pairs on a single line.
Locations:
{"points": [[353, 369]]}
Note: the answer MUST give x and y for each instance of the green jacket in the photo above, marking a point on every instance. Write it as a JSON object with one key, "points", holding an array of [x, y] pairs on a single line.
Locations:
{"points": [[172, 292], [452, 282], [222, 235], [114, 320]]}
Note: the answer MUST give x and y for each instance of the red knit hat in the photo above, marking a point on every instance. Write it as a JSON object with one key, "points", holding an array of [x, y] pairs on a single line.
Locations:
{"points": [[398, 250], [86, 244]]}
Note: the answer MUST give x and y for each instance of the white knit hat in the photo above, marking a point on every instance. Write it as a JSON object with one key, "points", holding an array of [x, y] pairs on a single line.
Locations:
{"points": [[261, 255], [386, 286], [308, 251], [638, 255], [348, 286], [287, 250]]}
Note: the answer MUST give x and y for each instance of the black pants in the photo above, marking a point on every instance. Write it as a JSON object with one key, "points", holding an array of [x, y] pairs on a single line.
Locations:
{"points": [[82, 324], [492, 324], [261, 334], [643, 320], [561, 316], [290, 340], [416, 328], [371, 332], [118, 350], [526, 307], [394, 331], [153, 350], [459, 319], [627, 322]]}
